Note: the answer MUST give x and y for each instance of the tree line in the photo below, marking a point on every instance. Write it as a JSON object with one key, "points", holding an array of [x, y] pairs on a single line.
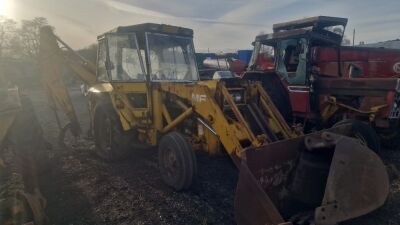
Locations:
{"points": [[20, 40]]}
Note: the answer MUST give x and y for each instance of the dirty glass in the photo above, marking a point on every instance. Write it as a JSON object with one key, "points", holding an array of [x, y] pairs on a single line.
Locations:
{"points": [[101, 62], [261, 54], [125, 62], [337, 29], [292, 60], [171, 58]]}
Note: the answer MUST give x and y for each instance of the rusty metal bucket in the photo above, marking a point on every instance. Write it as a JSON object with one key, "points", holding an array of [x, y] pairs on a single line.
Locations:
{"points": [[322, 178]]}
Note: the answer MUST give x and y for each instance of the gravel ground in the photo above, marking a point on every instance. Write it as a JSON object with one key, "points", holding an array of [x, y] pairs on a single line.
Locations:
{"points": [[82, 189]]}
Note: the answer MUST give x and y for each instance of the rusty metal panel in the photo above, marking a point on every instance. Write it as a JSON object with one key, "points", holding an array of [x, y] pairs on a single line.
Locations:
{"points": [[276, 177], [356, 87], [263, 182], [357, 184]]}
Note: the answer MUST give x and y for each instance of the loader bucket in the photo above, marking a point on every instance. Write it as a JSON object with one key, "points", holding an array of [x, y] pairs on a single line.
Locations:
{"points": [[322, 178]]}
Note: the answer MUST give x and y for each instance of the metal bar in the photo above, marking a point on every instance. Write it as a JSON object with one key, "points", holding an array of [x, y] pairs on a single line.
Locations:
{"points": [[270, 108], [181, 104], [86, 62], [207, 126], [237, 113], [179, 119], [256, 119], [166, 114], [272, 136]]}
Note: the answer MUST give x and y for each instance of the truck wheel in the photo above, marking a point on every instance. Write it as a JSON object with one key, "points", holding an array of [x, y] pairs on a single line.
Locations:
{"points": [[177, 161], [112, 143], [364, 132]]}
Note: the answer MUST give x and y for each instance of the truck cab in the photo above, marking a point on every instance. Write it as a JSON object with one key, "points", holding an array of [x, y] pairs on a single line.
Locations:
{"points": [[291, 45], [322, 81]]}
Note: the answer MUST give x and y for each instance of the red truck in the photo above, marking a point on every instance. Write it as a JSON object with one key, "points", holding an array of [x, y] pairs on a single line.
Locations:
{"points": [[315, 81]]}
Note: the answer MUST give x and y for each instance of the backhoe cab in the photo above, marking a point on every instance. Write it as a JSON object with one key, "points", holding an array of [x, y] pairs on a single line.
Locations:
{"points": [[147, 92]]}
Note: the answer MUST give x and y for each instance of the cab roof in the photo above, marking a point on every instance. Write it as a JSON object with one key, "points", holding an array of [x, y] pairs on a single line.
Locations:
{"points": [[312, 26], [315, 22], [151, 27]]}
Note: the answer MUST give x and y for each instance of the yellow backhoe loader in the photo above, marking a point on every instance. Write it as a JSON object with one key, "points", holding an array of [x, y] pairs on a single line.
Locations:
{"points": [[145, 90]]}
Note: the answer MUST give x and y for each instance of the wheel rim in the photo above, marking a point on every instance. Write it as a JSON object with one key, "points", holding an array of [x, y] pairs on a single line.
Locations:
{"points": [[170, 165]]}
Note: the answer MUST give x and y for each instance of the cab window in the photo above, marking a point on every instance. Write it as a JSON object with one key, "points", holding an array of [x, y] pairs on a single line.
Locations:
{"points": [[125, 62], [292, 60], [171, 58], [101, 61]]}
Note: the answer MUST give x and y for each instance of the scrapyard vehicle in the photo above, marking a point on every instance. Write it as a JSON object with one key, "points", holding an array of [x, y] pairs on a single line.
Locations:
{"points": [[318, 82], [146, 90]]}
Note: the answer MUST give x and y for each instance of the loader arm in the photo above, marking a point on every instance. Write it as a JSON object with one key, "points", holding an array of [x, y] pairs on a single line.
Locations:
{"points": [[234, 132], [53, 60]]}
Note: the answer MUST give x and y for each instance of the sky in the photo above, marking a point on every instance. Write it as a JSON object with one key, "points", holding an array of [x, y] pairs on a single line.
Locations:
{"points": [[219, 25]]}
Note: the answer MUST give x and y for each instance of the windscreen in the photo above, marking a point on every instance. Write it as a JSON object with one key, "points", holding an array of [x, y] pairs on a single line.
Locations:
{"points": [[125, 61], [171, 58]]}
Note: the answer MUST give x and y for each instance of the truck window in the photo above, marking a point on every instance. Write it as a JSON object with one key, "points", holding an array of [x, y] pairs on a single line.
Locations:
{"points": [[263, 57], [292, 60]]}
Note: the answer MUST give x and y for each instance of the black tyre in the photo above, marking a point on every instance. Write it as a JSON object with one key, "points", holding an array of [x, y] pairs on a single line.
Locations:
{"points": [[177, 161], [364, 132], [112, 143]]}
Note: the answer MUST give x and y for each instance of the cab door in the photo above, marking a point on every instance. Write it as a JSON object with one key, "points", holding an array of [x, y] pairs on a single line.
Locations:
{"points": [[127, 75]]}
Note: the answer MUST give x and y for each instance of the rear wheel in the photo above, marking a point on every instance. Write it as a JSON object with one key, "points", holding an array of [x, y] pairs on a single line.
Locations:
{"points": [[364, 132], [112, 143], [177, 161]]}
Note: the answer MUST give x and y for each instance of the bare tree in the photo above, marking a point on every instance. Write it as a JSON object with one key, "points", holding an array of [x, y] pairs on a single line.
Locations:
{"points": [[29, 36], [8, 28]]}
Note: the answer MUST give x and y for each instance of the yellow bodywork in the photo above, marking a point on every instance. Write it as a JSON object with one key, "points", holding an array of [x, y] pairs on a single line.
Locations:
{"points": [[198, 100], [333, 106], [156, 108]]}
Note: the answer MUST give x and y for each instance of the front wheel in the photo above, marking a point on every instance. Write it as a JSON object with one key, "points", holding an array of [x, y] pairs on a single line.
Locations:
{"points": [[112, 143], [364, 132], [177, 161]]}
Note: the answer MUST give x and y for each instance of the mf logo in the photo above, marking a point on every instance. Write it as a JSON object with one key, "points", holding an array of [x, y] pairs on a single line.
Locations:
{"points": [[198, 97], [396, 67]]}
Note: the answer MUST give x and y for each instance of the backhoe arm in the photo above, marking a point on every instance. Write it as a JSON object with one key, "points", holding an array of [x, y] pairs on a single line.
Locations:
{"points": [[52, 60]]}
